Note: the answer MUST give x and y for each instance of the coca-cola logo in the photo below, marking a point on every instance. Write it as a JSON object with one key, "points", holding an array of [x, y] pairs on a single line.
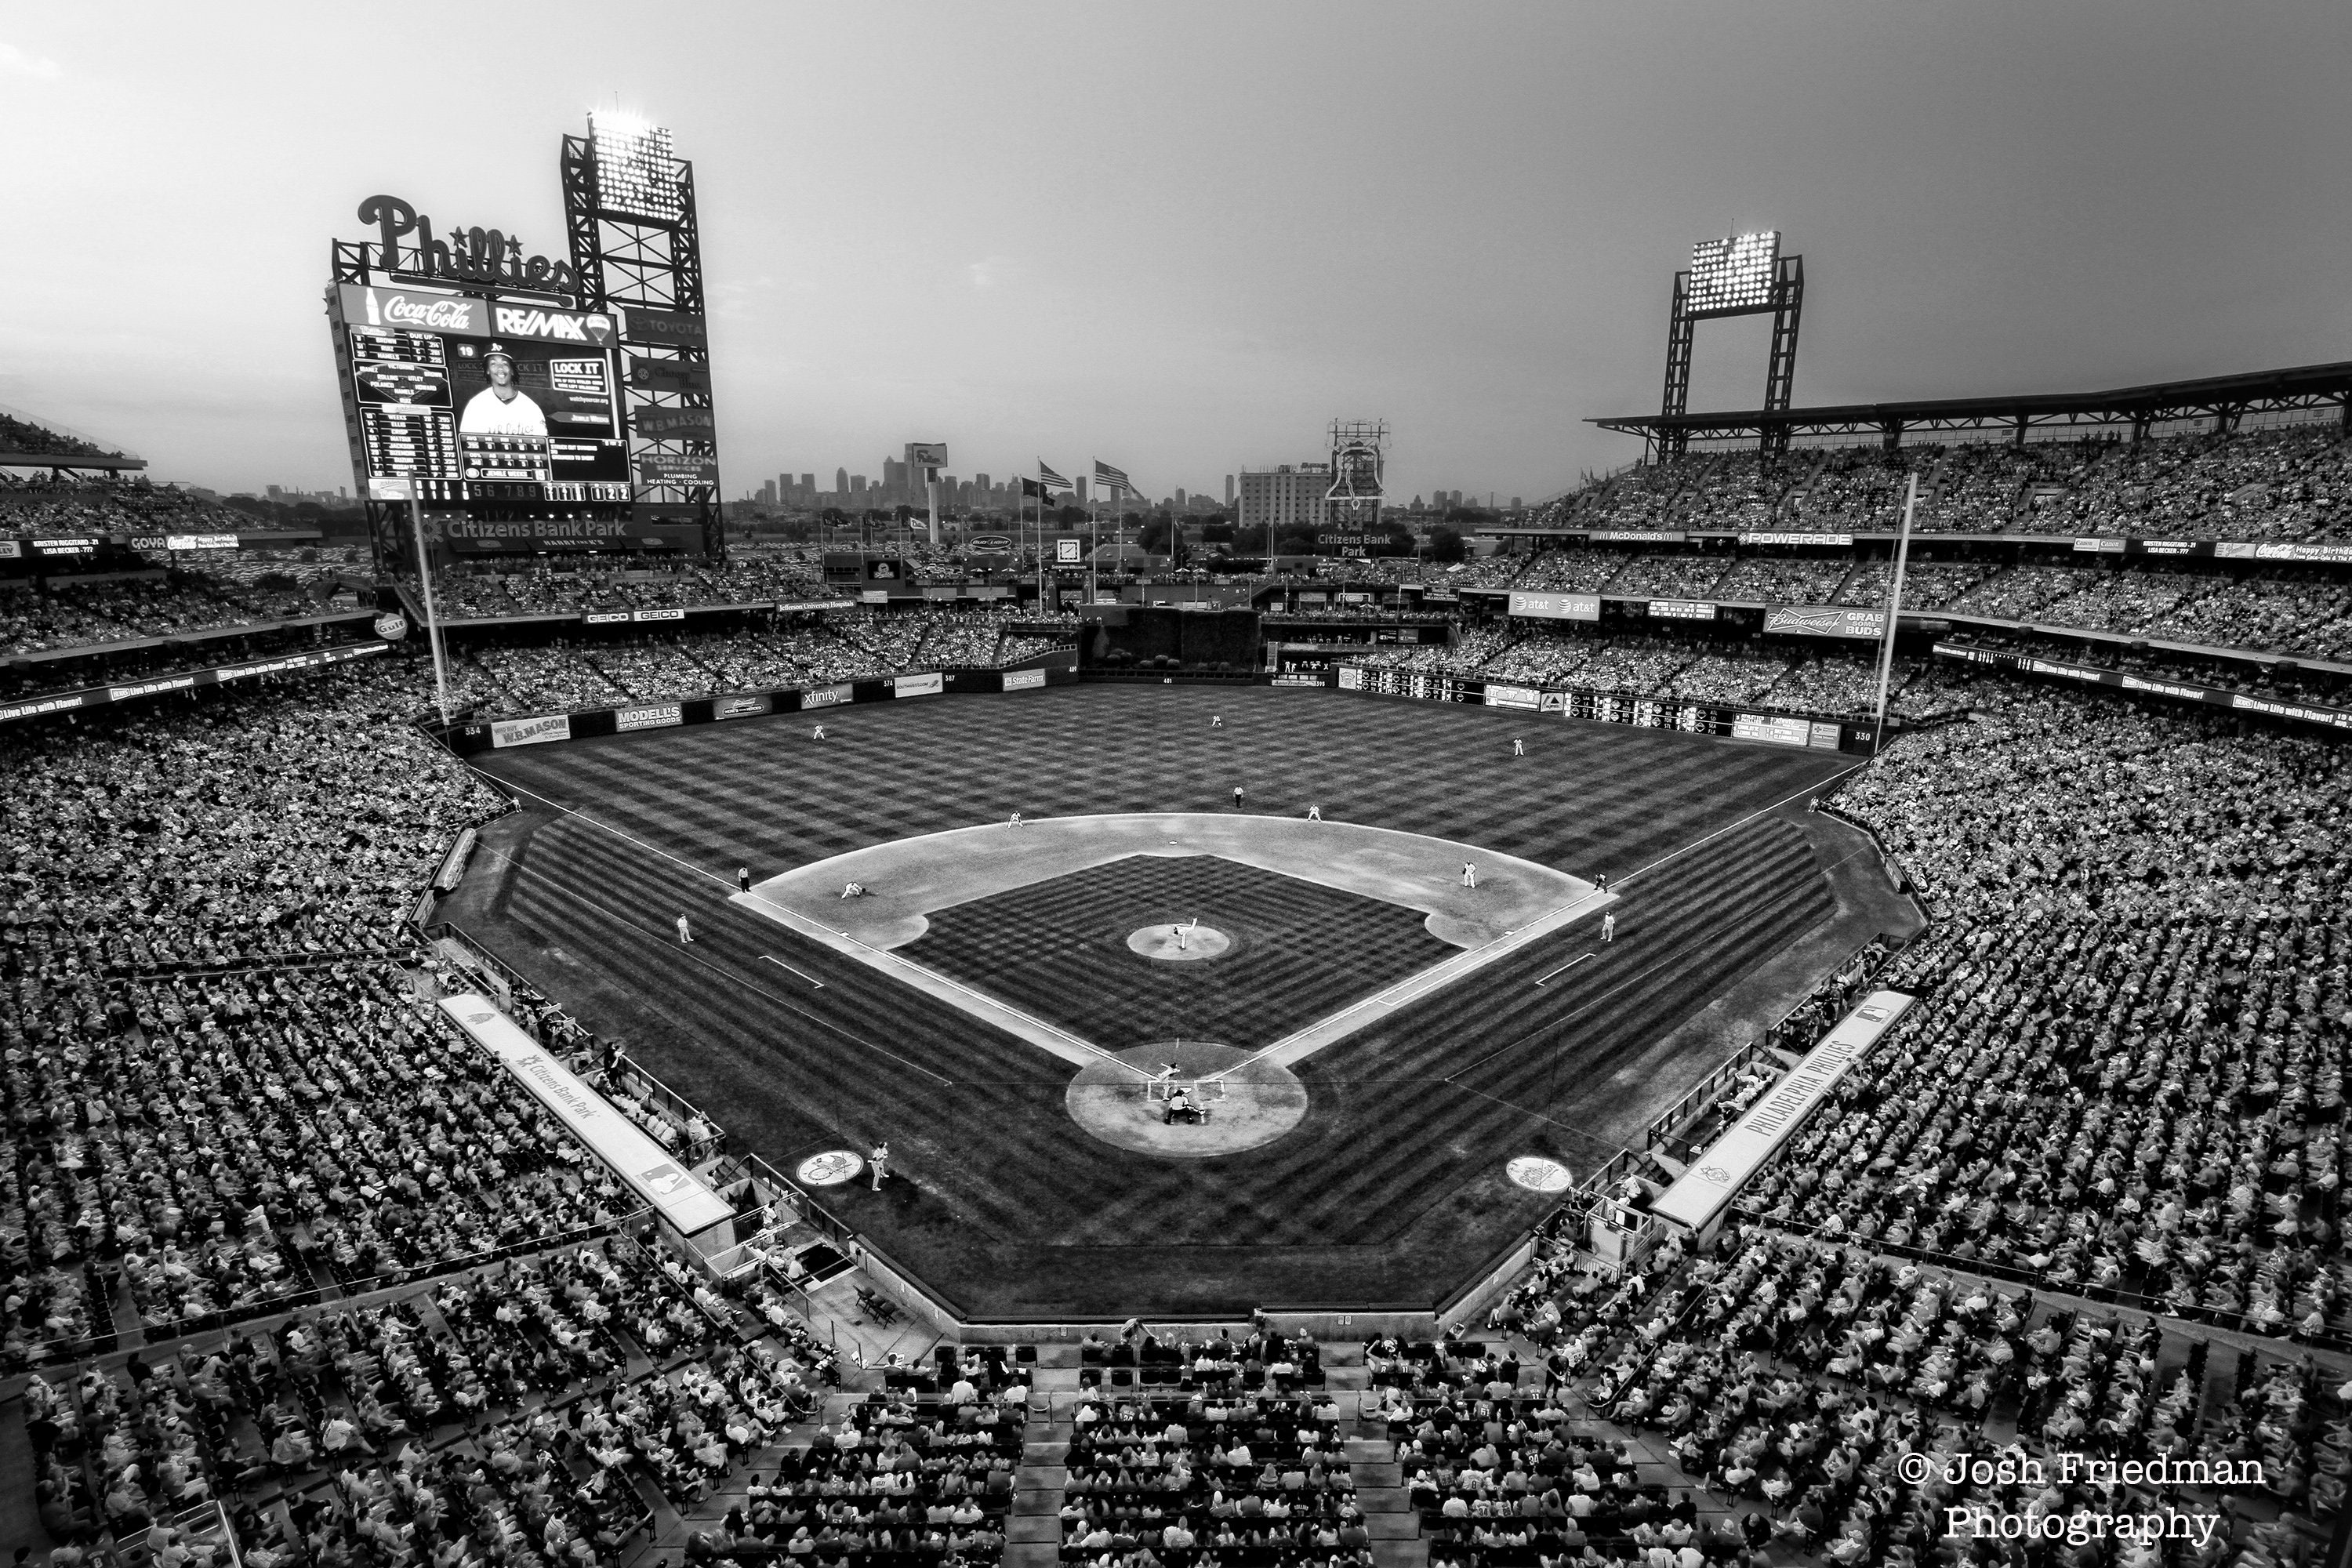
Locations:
{"points": [[438, 315]]}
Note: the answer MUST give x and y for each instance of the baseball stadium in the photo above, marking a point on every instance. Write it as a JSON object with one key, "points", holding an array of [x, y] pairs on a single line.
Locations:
{"points": [[1787, 1002]]}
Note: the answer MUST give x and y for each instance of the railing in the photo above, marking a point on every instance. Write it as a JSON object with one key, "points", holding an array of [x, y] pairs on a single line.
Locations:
{"points": [[1663, 1129], [155, 1331], [1896, 877], [2111, 1295]]}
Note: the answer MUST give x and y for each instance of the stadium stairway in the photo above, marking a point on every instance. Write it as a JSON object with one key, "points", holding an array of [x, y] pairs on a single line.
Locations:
{"points": [[1032, 1534], [1389, 1516]]}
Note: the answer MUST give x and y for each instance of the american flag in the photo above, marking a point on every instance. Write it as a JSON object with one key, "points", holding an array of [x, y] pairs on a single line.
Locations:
{"points": [[1115, 478], [1049, 479]]}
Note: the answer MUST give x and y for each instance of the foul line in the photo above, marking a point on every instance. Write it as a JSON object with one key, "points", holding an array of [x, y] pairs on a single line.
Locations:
{"points": [[1560, 1022], [1675, 855], [825, 1024], [1414, 988], [617, 833], [1593, 1138], [780, 964], [923, 978], [1564, 968]]}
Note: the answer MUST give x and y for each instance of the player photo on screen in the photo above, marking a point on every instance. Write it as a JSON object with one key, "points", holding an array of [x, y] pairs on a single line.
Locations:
{"points": [[501, 408], [504, 388]]}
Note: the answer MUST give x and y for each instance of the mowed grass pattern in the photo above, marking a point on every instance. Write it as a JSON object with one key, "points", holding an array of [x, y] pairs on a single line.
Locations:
{"points": [[1059, 950], [1391, 1191]]}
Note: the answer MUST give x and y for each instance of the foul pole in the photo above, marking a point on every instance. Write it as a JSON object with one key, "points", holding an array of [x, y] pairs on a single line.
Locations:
{"points": [[425, 592], [1893, 607]]}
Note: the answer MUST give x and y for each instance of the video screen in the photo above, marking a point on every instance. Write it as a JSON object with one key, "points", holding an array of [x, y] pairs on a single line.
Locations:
{"points": [[487, 402]]}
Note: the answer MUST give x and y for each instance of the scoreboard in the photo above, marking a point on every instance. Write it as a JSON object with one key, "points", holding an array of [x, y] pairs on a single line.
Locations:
{"points": [[468, 401]]}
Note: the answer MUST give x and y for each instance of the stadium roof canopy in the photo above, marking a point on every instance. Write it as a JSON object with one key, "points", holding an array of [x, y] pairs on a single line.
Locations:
{"points": [[2223, 397]]}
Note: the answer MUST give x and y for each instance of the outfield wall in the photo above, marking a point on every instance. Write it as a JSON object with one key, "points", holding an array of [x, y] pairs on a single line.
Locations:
{"points": [[478, 735], [1821, 732]]}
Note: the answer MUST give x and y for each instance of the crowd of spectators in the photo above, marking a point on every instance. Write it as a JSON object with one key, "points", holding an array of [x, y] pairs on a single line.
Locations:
{"points": [[64, 613], [228, 1097], [748, 576], [217, 1144], [2127, 1069], [274, 822], [507, 1414], [30, 437], [592, 672], [86, 507], [1791, 1376], [1206, 1449], [1800, 680], [2277, 482]]}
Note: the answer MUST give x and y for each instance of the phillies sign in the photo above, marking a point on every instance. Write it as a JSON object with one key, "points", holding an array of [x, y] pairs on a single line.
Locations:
{"points": [[463, 256]]}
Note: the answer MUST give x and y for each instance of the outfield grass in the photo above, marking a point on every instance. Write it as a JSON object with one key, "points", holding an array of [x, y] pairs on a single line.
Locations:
{"points": [[1390, 1192]]}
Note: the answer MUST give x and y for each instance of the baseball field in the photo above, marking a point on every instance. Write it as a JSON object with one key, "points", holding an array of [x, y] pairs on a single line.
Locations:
{"points": [[1471, 1028]]}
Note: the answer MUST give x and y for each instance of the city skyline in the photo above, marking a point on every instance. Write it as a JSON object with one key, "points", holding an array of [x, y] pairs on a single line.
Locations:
{"points": [[1464, 224]]}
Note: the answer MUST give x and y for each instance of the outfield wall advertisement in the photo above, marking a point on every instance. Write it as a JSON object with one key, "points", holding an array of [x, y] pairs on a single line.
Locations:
{"points": [[185, 680], [1826, 621], [1649, 712], [1556, 606], [478, 735], [2152, 685]]}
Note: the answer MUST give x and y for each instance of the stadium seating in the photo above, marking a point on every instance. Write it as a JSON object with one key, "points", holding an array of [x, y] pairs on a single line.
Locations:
{"points": [[2141, 972], [67, 614], [2276, 483], [567, 673], [2124, 1083], [515, 1407]]}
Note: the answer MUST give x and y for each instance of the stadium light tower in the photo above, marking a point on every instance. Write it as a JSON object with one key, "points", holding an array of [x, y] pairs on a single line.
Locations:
{"points": [[628, 206], [1745, 275], [1358, 475]]}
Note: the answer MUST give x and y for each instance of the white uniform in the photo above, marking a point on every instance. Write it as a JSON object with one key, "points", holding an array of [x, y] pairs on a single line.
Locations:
{"points": [[488, 414]]}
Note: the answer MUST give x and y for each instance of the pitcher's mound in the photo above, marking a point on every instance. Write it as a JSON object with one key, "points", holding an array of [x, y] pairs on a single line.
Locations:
{"points": [[1125, 1102], [1177, 944]]}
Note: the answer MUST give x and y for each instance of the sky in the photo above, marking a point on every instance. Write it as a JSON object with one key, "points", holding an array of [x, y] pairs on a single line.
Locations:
{"points": [[1184, 239]]}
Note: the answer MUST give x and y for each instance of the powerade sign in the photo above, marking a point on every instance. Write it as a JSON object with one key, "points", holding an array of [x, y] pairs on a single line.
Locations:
{"points": [[1842, 540]]}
